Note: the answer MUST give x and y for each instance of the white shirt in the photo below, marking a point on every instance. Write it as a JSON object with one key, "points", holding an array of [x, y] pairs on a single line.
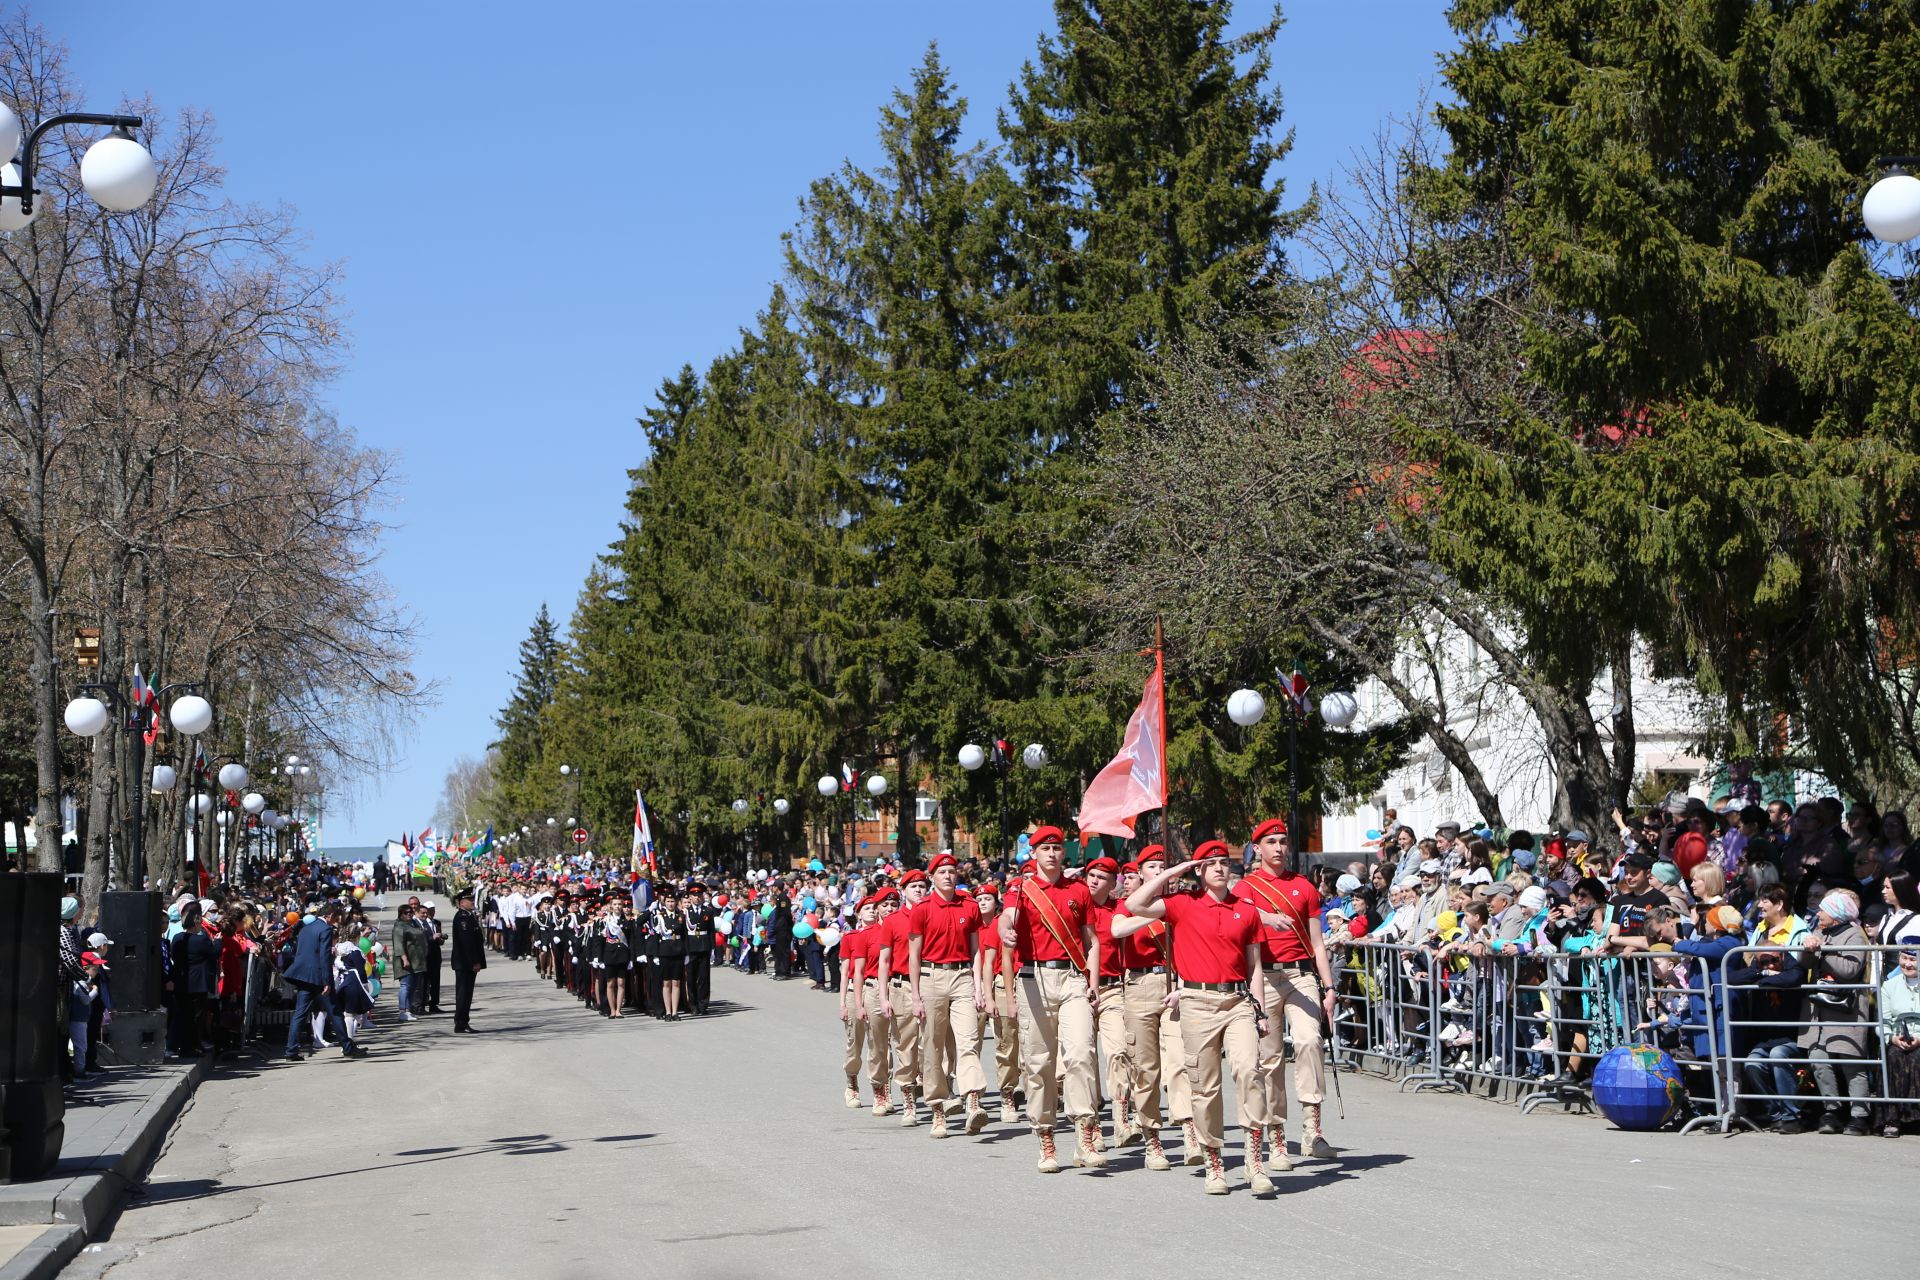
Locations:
{"points": [[516, 907]]}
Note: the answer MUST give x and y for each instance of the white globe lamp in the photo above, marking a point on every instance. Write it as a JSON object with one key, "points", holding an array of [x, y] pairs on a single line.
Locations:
{"points": [[253, 802], [118, 173], [191, 714], [233, 777], [877, 785], [1339, 709], [828, 785], [1246, 708], [11, 219], [86, 716], [1892, 208], [780, 806], [972, 756], [1034, 756], [163, 779]]}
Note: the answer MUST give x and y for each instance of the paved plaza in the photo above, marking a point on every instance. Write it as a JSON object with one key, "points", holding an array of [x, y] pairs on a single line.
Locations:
{"points": [[560, 1145]]}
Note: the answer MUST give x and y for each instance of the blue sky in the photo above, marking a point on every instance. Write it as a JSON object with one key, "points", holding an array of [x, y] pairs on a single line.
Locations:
{"points": [[544, 210]]}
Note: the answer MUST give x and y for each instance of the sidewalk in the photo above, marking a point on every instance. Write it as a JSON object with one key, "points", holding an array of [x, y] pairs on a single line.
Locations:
{"points": [[113, 1127]]}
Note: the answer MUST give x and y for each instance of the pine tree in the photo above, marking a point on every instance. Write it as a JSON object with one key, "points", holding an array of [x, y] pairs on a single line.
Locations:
{"points": [[519, 721]]}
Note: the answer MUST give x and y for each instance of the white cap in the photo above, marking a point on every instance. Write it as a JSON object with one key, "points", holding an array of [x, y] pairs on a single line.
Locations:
{"points": [[1431, 867], [1533, 897], [97, 941]]}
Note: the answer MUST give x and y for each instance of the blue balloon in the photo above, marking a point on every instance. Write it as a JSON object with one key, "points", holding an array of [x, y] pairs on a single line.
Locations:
{"points": [[1373, 833], [814, 865], [803, 930], [807, 903]]}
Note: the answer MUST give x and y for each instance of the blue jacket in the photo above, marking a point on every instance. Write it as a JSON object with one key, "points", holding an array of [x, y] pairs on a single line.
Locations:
{"points": [[1707, 953], [312, 955]]}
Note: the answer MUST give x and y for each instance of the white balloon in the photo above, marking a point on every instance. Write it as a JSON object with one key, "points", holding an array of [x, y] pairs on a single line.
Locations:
{"points": [[828, 785], [1892, 208], [86, 716], [972, 756], [877, 784], [1034, 756], [192, 714], [1339, 709], [234, 776], [1245, 707], [119, 173], [11, 219], [163, 779]]}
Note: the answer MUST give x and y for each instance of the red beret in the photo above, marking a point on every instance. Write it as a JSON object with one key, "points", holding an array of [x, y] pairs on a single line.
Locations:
{"points": [[1107, 865], [1134, 867], [1041, 835], [886, 895], [1212, 849], [912, 877], [1271, 826], [942, 860], [1152, 853], [990, 886]]}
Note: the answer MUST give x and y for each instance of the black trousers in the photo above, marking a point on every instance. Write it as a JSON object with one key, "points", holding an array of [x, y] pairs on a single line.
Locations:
{"points": [[783, 957], [522, 937], [462, 995], [432, 983], [699, 979]]}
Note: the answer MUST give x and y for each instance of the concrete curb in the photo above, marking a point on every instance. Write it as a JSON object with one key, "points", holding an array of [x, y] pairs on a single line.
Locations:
{"points": [[82, 1201], [51, 1250]]}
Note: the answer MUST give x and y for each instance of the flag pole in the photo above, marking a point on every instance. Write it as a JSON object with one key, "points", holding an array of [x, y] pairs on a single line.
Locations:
{"points": [[1160, 665]]}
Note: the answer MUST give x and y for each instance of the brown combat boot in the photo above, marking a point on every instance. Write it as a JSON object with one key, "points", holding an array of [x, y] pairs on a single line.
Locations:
{"points": [[1216, 1171], [1086, 1152], [1156, 1154], [1257, 1179]]}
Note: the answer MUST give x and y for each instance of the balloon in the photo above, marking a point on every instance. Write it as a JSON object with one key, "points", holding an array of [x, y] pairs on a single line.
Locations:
{"points": [[379, 948], [766, 912], [829, 938], [813, 920], [807, 903], [359, 893], [759, 937], [380, 968], [814, 865], [720, 900], [803, 930], [365, 945], [293, 917], [1373, 833]]}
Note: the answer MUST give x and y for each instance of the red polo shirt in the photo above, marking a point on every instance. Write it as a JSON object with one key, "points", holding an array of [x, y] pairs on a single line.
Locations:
{"points": [[1210, 937], [1102, 919], [990, 944], [893, 933], [1297, 899], [853, 946], [1141, 949], [945, 929], [1032, 940]]}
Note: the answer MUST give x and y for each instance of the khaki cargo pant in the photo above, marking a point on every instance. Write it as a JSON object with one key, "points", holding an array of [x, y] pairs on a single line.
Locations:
{"points": [[856, 1041], [1056, 1030], [1156, 1052], [1110, 1038], [1006, 1039], [951, 1039], [906, 1037], [879, 1052], [1213, 1023], [1298, 994]]}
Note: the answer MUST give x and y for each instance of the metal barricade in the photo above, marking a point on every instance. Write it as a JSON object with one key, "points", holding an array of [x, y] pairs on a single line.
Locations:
{"points": [[1770, 1021]]}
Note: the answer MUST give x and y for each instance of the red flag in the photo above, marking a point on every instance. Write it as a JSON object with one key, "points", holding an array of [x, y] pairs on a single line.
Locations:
{"points": [[1135, 780]]}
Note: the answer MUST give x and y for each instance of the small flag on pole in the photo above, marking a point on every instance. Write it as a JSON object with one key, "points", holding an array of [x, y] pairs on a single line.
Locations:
{"points": [[642, 834]]}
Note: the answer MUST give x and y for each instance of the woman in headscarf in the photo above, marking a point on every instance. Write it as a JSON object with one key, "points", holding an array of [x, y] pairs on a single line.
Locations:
{"points": [[1835, 1009], [1900, 1032]]}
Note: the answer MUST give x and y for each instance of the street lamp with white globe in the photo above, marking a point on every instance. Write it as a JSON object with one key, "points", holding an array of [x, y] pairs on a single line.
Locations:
{"points": [[973, 757], [116, 170], [134, 708], [1248, 707]]}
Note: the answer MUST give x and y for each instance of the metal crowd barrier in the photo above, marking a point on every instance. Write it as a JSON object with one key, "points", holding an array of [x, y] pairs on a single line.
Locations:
{"points": [[1514, 1026]]}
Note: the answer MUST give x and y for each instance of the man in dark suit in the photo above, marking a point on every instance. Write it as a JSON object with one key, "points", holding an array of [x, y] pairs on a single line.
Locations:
{"points": [[700, 923], [436, 939], [311, 975], [469, 958]]}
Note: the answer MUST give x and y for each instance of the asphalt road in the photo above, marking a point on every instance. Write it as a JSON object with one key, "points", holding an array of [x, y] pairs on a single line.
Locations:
{"points": [[558, 1144]]}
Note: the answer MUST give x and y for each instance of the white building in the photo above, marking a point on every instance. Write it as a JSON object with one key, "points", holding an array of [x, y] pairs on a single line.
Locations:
{"points": [[1507, 744]]}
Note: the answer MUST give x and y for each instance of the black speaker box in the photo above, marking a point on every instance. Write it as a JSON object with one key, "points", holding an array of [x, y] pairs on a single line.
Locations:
{"points": [[135, 922], [33, 1010]]}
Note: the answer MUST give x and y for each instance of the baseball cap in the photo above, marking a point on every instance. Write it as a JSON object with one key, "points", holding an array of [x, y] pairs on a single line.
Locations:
{"points": [[99, 942], [1431, 867], [1638, 861]]}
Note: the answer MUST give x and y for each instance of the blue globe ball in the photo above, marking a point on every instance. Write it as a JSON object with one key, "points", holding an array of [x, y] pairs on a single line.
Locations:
{"points": [[1638, 1087]]}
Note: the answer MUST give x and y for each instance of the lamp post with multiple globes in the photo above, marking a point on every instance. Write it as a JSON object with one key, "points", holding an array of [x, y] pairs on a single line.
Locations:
{"points": [[973, 756], [1247, 707], [97, 706]]}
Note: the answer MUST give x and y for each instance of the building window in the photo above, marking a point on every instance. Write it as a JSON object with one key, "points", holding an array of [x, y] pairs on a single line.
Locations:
{"points": [[925, 807]]}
